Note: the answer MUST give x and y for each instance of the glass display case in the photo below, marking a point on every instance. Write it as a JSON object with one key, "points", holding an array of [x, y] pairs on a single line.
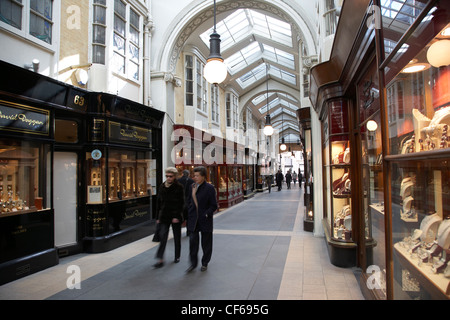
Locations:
{"points": [[338, 173], [418, 106], [229, 188], [371, 179], [20, 187], [222, 183]]}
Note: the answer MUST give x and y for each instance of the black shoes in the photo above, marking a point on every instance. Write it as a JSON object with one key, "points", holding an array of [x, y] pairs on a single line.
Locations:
{"points": [[190, 269], [158, 265]]}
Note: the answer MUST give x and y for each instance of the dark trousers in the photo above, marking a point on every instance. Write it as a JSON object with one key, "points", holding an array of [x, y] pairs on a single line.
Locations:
{"points": [[207, 245], [164, 234]]}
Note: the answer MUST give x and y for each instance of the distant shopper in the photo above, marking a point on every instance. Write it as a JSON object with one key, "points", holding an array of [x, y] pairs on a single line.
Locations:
{"points": [[269, 181], [294, 177], [288, 179], [202, 204], [279, 179], [187, 182], [170, 203]]}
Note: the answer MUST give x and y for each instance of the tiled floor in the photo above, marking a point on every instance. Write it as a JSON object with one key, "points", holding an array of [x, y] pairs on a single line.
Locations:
{"points": [[260, 252]]}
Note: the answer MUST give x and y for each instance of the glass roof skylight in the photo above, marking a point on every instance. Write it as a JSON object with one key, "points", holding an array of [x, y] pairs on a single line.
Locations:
{"points": [[255, 51], [260, 71], [253, 43], [244, 22]]}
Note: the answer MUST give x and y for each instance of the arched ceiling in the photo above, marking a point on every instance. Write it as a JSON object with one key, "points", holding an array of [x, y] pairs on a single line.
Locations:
{"points": [[260, 46]]}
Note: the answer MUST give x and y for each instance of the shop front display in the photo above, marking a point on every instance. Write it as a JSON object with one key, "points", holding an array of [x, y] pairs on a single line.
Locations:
{"points": [[248, 178], [418, 105], [304, 118], [371, 181], [26, 213], [78, 171], [222, 159], [396, 77], [339, 221], [121, 166]]}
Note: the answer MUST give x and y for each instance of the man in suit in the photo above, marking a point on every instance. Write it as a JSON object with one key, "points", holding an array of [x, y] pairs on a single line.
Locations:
{"points": [[202, 204], [187, 182]]}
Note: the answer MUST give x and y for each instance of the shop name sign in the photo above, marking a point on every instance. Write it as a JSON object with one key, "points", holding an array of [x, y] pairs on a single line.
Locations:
{"points": [[130, 134], [133, 134], [20, 118]]}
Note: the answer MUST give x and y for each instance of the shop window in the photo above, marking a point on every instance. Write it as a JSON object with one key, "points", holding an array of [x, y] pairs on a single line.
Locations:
{"points": [[66, 131], [96, 184], [419, 108], [129, 174], [24, 182], [419, 144]]}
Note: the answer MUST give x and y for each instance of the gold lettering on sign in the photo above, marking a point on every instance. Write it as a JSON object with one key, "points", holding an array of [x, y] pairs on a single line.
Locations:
{"points": [[132, 134], [21, 117], [135, 213]]}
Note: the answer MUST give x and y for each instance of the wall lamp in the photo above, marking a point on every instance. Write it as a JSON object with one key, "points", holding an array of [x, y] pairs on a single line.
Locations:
{"points": [[34, 65]]}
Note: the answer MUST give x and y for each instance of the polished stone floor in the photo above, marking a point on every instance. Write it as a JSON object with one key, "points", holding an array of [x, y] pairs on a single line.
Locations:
{"points": [[260, 252]]}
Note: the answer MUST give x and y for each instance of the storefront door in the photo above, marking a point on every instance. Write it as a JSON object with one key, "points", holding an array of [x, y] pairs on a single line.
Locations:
{"points": [[65, 197]]}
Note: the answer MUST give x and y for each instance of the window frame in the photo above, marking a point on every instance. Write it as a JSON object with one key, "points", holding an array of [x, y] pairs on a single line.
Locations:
{"points": [[200, 92], [126, 54], [24, 31]]}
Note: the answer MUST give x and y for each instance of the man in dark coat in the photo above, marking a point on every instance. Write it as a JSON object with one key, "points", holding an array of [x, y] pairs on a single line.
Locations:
{"points": [[187, 182], [170, 203], [202, 203], [288, 179], [279, 179]]}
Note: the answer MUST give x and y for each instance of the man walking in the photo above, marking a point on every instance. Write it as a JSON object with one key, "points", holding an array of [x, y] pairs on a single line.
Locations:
{"points": [[170, 203], [187, 182], [202, 204], [279, 179]]}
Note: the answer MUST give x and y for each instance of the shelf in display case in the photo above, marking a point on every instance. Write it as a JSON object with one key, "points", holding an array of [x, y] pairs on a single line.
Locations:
{"points": [[435, 283]]}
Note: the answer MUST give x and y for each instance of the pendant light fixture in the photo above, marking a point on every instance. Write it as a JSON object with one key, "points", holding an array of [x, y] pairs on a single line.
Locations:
{"points": [[268, 129], [215, 70]]}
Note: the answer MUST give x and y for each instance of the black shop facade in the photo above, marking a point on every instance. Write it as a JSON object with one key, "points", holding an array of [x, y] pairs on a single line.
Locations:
{"points": [[78, 171]]}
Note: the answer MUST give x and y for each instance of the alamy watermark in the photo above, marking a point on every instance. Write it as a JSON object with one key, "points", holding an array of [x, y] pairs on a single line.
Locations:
{"points": [[203, 147], [375, 280], [74, 280]]}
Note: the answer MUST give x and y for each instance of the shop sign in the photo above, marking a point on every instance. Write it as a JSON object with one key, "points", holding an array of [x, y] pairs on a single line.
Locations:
{"points": [[123, 133], [141, 212], [20, 118]]}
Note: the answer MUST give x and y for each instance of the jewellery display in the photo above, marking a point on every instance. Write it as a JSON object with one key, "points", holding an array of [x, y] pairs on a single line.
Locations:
{"points": [[343, 223], [341, 191], [427, 249], [127, 175], [342, 186], [408, 212], [17, 177], [431, 133]]}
